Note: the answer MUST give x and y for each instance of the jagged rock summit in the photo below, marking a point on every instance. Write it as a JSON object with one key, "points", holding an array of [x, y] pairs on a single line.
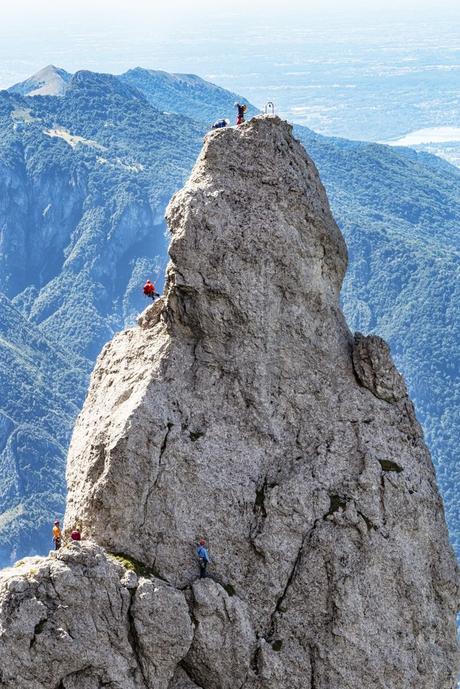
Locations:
{"points": [[242, 409]]}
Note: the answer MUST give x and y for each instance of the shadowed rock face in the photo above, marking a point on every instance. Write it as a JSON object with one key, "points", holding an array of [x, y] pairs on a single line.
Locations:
{"points": [[242, 409]]}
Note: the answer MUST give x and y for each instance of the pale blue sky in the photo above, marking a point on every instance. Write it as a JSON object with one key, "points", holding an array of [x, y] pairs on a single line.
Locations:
{"points": [[202, 36], [112, 11], [152, 6]]}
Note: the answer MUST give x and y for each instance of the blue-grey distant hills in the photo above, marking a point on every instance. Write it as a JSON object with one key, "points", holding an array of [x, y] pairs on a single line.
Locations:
{"points": [[87, 164]]}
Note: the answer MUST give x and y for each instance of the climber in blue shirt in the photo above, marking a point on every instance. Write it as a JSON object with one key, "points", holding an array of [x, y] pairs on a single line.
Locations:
{"points": [[220, 124], [203, 557]]}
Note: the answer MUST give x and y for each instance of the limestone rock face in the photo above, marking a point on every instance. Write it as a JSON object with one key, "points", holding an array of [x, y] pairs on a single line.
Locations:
{"points": [[242, 409], [224, 638], [77, 621], [375, 369]]}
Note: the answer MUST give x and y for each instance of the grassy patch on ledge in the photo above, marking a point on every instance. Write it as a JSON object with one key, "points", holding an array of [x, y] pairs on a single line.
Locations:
{"points": [[134, 565]]}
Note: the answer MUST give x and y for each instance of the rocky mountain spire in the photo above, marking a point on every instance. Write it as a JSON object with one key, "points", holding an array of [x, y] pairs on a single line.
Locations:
{"points": [[242, 409]]}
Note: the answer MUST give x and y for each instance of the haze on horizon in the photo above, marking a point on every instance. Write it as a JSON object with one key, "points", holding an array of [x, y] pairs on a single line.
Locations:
{"points": [[114, 35], [49, 9], [354, 69]]}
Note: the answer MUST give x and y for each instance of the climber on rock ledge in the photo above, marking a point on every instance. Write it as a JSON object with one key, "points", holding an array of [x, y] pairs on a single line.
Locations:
{"points": [[203, 557], [241, 107], [75, 535], [57, 535], [149, 290]]}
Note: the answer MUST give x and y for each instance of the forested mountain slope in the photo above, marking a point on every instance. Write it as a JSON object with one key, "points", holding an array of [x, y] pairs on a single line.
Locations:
{"points": [[41, 387], [185, 94], [84, 179]]}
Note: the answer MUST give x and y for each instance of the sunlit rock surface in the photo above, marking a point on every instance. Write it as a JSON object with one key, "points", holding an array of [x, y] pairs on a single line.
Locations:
{"points": [[242, 409]]}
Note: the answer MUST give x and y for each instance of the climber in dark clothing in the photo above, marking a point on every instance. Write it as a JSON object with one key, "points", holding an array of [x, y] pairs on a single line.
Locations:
{"points": [[241, 107], [203, 557], [220, 124], [149, 290]]}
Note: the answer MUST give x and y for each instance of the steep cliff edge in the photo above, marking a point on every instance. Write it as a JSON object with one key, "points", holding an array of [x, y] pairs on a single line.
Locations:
{"points": [[243, 409]]}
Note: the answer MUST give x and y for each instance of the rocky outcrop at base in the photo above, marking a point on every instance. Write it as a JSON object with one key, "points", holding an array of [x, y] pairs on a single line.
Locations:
{"points": [[83, 619], [242, 409], [80, 620]]}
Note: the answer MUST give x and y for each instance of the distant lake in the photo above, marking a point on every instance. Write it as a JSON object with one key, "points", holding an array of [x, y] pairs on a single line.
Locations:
{"points": [[430, 135]]}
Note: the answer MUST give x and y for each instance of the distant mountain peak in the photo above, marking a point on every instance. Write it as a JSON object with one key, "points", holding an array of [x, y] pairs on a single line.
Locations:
{"points": [[171, 77], [49, 81], [168, 76], [184, 94], [108, 84]]}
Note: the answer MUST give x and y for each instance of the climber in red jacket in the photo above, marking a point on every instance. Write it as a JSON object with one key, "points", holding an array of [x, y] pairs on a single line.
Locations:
{"points": [[241, 108], [76, 535], [149, 290]]}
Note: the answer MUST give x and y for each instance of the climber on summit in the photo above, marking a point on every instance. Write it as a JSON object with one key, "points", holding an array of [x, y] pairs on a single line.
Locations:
{"points": [[220, 124], [57, 535], [241, 107], [203, 557], [149, 290]]}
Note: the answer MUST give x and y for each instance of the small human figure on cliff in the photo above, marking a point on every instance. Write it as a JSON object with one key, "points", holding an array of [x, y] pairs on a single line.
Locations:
{"points": [[241, 108], [220, 124], [75, 535], [203, 557], [57, 535], [149, 290]]}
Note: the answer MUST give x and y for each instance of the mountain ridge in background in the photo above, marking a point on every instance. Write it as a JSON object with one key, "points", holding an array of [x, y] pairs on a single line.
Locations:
{"points": [[87, 177]]}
